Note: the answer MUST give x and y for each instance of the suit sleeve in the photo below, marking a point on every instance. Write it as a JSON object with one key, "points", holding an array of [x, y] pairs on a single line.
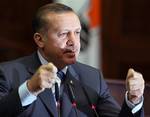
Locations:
{"points": [[10, 104], [126, 112], [108, 107]]}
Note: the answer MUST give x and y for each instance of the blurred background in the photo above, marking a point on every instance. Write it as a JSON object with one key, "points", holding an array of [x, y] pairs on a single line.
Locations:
{"points": [[115, 35]]}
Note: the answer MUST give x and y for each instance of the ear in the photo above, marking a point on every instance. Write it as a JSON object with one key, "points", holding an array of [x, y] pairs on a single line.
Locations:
{"points": [[39, 40]]}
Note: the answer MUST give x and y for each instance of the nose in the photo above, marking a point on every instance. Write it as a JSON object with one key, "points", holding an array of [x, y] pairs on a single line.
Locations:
{"points": [[70, 43], [71, 39]]}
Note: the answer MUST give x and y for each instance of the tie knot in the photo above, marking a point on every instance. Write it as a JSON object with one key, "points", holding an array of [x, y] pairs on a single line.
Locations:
{"points": [[61, 75]]}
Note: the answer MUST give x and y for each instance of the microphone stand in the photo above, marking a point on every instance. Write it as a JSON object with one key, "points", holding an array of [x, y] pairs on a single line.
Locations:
{"points": [[93, 107], [73, 98], [57, 97]]}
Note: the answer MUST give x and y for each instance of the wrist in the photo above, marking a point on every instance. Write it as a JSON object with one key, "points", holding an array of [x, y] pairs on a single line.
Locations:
{"points": [[35, 90], [134, 99]]}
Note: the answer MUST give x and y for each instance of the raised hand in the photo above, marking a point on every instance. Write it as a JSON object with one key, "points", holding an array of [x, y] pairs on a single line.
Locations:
{"points": [[135, 86], [43, 78]]}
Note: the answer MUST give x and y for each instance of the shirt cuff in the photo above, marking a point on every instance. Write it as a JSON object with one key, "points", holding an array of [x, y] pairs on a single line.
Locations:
{"points": [[135, 108], [25, 95]]}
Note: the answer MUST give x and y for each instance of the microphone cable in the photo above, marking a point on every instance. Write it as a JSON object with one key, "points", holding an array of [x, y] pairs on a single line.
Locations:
{"points": [[93, 107], [72, 96]]}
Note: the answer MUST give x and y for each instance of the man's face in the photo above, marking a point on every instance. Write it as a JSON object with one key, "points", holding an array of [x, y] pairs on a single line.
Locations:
{"points": [[62, 40]]}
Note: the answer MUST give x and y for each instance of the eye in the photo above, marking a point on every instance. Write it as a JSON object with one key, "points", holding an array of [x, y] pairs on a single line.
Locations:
{"points": [[78, 33], [62, 35]]}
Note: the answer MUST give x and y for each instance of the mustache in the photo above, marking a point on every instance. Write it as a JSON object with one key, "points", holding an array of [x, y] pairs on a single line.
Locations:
{"points": [[70, 49]]}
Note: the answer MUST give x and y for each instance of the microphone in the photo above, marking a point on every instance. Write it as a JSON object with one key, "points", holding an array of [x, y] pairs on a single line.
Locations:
{"points": [[57, 97], [56, 92], [93, 107], [72, 96]]}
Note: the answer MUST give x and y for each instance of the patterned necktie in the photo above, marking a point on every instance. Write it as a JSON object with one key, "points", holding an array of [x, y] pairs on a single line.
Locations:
{"points": [[61, 75]]}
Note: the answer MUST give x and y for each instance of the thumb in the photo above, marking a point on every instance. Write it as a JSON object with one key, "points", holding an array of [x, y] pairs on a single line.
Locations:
{"points": [[130, 73], [52, 67]]}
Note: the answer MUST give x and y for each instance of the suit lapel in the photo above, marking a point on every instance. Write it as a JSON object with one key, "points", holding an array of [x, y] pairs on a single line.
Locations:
{"points": [[48, 100], [66, 105], [83, 105]]}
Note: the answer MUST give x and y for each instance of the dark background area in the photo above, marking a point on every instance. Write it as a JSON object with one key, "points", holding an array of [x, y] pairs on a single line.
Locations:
{"points": [[126, 37], [125, 34], [16, 35]]}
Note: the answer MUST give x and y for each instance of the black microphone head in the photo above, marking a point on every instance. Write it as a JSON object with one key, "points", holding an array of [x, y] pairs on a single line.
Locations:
{"points": [[56, 92]]}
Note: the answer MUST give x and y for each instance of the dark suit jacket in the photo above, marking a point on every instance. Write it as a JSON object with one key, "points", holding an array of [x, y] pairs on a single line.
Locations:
{"points": [[88, 86]]}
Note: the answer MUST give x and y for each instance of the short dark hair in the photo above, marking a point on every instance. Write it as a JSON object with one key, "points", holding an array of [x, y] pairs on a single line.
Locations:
{"points": [[39, 22]]}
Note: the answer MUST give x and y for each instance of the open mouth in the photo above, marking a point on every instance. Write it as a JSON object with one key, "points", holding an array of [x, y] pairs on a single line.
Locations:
{"points": [[70, 50], [70, 53]]}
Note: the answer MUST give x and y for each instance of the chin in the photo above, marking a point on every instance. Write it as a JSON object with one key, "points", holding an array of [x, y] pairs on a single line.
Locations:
{"points": [[72, 61]]}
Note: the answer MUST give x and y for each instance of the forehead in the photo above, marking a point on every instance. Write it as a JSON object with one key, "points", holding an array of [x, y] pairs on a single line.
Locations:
{"points": [[63, 20]]}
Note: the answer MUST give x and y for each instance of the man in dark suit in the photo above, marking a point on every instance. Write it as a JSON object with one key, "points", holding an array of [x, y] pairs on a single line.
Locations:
{"points": [[29, 86]]}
